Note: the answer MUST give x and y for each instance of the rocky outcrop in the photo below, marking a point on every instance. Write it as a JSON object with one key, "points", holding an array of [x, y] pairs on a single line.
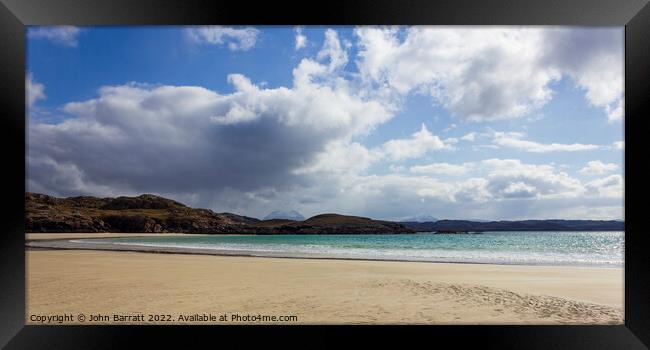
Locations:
{"points": [[145, 213]]}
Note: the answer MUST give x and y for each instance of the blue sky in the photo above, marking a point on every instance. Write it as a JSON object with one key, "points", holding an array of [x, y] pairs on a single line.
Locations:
{"points": [[454, 122]]}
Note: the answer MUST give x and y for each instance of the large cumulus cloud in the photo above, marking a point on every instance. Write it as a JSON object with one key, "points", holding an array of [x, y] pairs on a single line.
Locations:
{"points": [[187, 139], [492, 73]]}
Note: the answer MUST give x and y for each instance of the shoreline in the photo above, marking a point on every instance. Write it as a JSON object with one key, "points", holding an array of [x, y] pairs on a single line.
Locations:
{"points": [[44, 242]]}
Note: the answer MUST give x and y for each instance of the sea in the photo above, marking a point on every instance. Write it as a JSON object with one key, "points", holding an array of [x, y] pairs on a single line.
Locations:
{"points": [[602, 249]]}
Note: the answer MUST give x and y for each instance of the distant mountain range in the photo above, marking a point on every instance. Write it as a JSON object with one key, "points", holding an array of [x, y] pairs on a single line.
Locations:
{"points": [[419, 218], [286, 215]]}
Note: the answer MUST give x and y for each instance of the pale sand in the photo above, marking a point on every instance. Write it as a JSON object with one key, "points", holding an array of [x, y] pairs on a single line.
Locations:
{"points": [[318, 291]]}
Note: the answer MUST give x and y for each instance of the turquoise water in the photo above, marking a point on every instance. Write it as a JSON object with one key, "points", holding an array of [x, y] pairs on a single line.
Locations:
{"points": [[528, 248]]}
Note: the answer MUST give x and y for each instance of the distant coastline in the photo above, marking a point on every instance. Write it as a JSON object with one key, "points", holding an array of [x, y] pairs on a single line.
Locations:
{"points": [[153, 214], [467, 226]]}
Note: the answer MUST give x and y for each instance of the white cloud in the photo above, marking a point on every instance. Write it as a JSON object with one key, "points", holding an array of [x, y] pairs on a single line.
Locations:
{"points": [[340, 157], [237, 39], [332, 49], [60, 35], [619, 144], [610, 186], [344, 156], [468, 71], [508, 178], [34, 91], [493, 73], [450, 127], [494, 180], [440, 168], [301, 40], [593, 57], [490, 180], [469, 137], [615, 113], [397, 188], [416, 146], [598, 167], [519, 189], [514, 140]]}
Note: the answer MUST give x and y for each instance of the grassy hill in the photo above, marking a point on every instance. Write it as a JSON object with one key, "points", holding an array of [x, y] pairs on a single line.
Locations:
{"points": [[332, 224]]}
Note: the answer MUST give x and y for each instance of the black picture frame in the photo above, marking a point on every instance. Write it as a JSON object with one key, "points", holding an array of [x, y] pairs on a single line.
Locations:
{"points": [[16, 14]]}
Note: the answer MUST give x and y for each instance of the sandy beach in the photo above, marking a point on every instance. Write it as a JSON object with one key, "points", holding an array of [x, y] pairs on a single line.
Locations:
{"points": [[316, 291]]}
